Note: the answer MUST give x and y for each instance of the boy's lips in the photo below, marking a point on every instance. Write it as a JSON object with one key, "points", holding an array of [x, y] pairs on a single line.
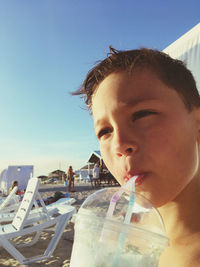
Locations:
{"points": [[139, 180]]}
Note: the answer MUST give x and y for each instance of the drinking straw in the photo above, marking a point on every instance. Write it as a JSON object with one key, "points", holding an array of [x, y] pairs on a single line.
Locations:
{"points": [[126, 220], [111, 208], [131, 203], [116, 196]]}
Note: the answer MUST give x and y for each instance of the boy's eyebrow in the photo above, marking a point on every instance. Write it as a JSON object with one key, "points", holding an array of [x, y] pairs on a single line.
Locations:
{"points": [[134, 102], [131, 102]]}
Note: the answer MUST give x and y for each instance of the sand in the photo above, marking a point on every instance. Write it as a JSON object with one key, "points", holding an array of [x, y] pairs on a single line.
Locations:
{"points": [[62, 253]]}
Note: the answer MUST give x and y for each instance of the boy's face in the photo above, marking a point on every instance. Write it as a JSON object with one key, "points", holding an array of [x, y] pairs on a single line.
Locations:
{"points": [[144, 128]]}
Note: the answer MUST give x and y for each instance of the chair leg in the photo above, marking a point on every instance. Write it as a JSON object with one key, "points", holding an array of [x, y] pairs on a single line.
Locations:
{"points": [[55, 239], [32, 242], [12, 250]]}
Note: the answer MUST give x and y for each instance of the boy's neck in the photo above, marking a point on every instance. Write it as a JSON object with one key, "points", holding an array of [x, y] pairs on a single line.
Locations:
{"points": [[181, 216]]}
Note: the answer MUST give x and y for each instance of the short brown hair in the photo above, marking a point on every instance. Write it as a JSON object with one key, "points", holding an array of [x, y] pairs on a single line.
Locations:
{"points": [[170, 71]]}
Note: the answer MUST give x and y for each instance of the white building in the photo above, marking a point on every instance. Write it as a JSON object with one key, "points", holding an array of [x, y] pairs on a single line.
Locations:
{"points": [[187, 49], [20, 173]]}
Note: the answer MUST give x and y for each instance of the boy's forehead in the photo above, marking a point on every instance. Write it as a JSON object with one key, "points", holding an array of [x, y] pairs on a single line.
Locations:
{"points": [[138, 85], [132, 88]]}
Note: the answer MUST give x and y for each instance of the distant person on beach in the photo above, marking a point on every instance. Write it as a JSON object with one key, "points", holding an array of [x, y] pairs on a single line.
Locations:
{"points": [[146, 111], [70, 177], [90, 176], [15, 183], [53, 199], [96, 173]]}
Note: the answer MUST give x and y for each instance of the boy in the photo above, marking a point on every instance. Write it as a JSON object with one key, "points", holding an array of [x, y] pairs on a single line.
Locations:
{"points": [[146, 114]]}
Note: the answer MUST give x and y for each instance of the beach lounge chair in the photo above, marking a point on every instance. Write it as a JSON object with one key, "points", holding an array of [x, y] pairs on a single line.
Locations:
{"points": [[27, 222], [6, 217], [11, 202]]}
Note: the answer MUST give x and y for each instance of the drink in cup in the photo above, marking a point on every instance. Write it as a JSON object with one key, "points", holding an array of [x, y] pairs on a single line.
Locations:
{"points": [[104, 238]]}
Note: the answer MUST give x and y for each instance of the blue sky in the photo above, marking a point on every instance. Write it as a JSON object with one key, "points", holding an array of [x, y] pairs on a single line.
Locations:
{"points": [[47, 48]]}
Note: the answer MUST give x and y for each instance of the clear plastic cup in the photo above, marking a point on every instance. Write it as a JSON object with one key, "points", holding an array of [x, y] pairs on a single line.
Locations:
{"points": [[103, 242]]}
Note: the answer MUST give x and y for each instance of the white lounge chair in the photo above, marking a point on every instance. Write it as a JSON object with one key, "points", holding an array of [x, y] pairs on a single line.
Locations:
{"points": [[11, 202], [27, 222], [6, 217]]}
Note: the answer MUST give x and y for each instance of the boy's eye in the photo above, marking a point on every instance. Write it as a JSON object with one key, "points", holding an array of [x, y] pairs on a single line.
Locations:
{"points": [[142, 113], [103, 132]]}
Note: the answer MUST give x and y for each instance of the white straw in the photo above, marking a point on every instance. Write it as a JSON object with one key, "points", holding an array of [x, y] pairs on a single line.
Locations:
{"points": [[127, 220]]}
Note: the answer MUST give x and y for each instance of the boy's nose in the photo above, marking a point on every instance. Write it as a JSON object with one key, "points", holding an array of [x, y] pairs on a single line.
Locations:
{"points": [[124, 145]]}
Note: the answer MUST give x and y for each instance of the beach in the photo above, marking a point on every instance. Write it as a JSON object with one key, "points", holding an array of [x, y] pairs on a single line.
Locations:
{"points": [[62, 253]]}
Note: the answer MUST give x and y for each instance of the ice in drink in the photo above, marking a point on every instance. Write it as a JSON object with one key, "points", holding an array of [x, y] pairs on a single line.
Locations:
{"points": [[101, 242]]}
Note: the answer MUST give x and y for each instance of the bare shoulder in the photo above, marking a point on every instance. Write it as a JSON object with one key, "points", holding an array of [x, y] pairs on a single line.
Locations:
{"points": [[184, 254], [194, 244]]}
